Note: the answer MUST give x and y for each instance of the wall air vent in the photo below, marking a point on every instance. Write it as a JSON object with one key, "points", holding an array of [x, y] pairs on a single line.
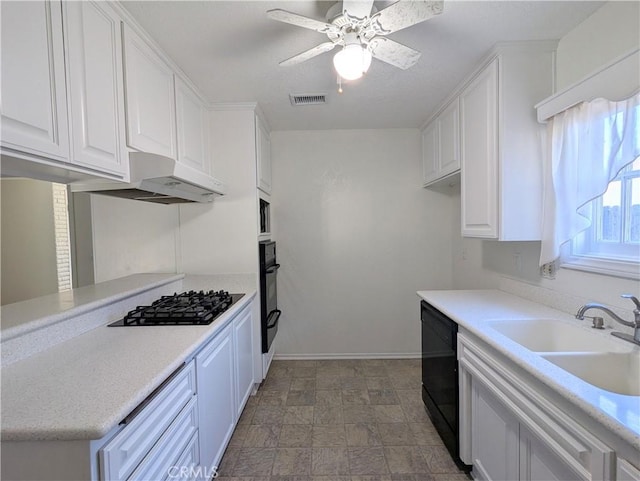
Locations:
{"points": [[307, 99]]}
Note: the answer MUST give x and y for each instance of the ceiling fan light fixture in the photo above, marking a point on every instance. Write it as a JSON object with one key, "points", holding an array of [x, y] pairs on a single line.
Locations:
{"points": [[352, 62]]}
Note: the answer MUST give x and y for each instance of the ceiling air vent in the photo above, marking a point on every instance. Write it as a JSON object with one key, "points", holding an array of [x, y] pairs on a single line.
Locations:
{"points": [[307, 99]]}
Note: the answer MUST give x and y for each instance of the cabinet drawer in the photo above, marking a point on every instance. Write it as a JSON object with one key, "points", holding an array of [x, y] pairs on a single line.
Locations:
{"points": [[186, 468], [128, 448], [161, 462]]}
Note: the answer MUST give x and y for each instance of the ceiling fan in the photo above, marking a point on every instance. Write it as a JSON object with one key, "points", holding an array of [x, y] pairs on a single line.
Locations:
{"points": [[360, 29]]}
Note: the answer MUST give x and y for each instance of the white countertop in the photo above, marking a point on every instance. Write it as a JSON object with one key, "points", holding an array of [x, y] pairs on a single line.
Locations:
{"points": [[83, 387], [472, 308]]}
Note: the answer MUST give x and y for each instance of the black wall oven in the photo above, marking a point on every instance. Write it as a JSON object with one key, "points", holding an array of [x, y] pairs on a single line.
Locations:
{"points": [[440, 376], [270, 314]]}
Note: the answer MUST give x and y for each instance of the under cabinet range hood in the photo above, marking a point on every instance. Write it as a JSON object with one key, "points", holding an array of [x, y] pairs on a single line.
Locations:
{"points": [[158, 179]]}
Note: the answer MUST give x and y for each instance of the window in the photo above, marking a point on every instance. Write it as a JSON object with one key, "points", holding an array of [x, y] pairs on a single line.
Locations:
{"points": [[612, 244]]}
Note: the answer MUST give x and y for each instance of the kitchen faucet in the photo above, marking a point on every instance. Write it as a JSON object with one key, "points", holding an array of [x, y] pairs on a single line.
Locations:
{"points": [[635, 324]]}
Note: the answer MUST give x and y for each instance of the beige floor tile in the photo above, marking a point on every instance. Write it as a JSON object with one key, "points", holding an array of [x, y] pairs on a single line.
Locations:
{"points": [[303, 384], [262, 436], [439, 460], [363, 434], [273, 398], [425, 434], [266, 414], [329, 397], [388, 414], [298, 415], [358, 414], [239, 435], [416, 414], [367, 461], [329, 461], [328, 382], [254, 462], [383, 396], [292, 461], [378, 382], [305, 372], [335, 477], [301, 398], [327, 435], [276, 384], [368, 477], [355, 396], [402, 381], [328, 415], [410, 397], [228, 461], [295, 436], [367, 370], [353, 383], [396, 434], [405, 459], [247, 414]]}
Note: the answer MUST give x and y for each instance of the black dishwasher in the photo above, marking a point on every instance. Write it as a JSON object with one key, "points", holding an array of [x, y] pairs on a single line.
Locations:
{"points": [[440, 376]]}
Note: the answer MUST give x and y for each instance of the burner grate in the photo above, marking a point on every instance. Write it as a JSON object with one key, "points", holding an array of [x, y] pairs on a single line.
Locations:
{"points": [[187, 308]]}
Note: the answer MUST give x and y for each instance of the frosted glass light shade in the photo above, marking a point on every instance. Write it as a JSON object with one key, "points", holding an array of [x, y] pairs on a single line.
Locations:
{"points": [[352, 61]]}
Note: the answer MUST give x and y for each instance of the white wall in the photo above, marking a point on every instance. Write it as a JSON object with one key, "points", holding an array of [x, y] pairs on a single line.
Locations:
{"points": [[223, 237], [357, 236], [28, 247], [130, 236], [611, 31]]}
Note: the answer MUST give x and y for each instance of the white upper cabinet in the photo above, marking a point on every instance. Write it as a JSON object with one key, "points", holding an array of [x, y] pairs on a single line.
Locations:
{"points": [[263, 157], [478, 113], [192, 128], [95, 84], [33, 107], [501, 143], [441, 145], [151, 115]]}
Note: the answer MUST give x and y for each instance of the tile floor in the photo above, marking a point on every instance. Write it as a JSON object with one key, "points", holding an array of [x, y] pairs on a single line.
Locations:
{"points": [[352, 420]]}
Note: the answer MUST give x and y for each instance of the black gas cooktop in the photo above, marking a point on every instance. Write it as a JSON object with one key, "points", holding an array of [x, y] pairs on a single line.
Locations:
{"points": [[191, 308]]}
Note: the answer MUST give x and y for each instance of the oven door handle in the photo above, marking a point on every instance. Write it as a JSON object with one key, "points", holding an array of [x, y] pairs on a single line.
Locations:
{"points": [[276, 313], [272, 269]]}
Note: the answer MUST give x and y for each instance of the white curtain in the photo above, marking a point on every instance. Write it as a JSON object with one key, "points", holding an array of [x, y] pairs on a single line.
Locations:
{"points": [[588, 145]]}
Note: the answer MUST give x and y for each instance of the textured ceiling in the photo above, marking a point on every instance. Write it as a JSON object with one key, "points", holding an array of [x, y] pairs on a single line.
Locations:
{"points": [[231, 50]]}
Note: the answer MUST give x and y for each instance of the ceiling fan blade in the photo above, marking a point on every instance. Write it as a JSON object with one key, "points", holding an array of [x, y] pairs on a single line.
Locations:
{"points": [[403, 14], [301, 21], [393, 53], [359, 9], [301, 57]]}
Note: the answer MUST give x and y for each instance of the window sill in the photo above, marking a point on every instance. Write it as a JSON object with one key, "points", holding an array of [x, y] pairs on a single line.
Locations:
{"points": [[599, 265]]}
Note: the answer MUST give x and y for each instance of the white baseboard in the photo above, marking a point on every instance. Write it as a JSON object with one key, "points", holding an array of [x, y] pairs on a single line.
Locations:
{"points": [[338, 356]]}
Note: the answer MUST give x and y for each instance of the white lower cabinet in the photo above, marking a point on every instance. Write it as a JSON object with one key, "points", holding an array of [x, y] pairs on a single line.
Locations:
{"points": [[157, 434], [497, 459], [215, 371], [243, 348], [516, 431]]}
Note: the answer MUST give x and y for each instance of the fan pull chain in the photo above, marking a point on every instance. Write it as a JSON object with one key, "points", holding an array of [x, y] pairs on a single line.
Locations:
{"points": [[339, 84]]}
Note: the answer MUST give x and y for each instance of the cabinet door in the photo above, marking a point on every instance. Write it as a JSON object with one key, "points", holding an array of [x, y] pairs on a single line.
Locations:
{"points": [[33, 107], [216, 404], [494, 442], [479, 156], [192, 128], [93, 48], [243, 346], [151, 116], [539, 463], [449, 140], [626, 472], [263, 154], [430, 152]]}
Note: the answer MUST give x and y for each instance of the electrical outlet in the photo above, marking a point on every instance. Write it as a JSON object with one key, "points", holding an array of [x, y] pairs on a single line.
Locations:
{"points": [[548, 270]]}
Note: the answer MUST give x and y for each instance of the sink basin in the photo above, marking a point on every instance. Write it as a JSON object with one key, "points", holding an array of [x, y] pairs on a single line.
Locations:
{"points": [[612, 371], [549, 335]]}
